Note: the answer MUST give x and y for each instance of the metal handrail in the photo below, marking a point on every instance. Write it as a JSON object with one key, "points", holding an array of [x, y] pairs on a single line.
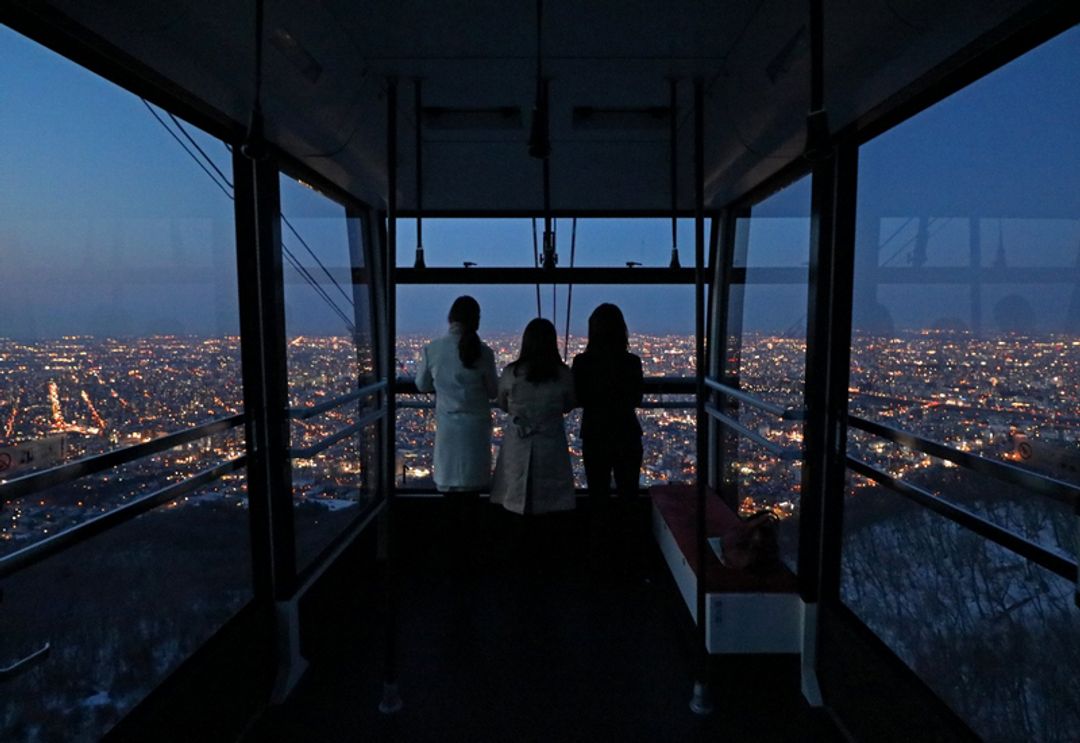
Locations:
{"points": [[64, 473], [310, 411], [788, 414], [1050, 487], [646, 405], [651, 386], [310, 451], [734, 425], [1011, 541], [37, 552]]}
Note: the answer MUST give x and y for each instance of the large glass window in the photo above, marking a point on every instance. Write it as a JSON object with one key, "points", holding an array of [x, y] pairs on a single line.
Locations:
{"points": [[660, 319], [766, 356], [328, 331], [508, 243], [119, 326], [967, 332]]}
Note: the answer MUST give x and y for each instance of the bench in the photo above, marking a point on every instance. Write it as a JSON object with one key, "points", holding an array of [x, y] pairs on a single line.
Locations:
{"points": [[745, 611]]}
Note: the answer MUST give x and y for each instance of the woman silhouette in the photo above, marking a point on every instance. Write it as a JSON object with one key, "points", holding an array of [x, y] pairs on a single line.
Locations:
{"points": [[532, 473], [460, 369], [608, 382]]}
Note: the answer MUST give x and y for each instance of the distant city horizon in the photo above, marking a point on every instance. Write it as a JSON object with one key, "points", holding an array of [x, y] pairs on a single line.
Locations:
{"points": [[501, 333]]}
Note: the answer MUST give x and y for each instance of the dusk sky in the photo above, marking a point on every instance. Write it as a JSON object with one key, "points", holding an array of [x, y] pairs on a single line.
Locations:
{"points": [[107, 227]]}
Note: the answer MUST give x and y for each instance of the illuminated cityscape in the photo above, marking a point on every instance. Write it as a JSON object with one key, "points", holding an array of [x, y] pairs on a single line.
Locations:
{"points": [[668, 432], [1015, 398]]}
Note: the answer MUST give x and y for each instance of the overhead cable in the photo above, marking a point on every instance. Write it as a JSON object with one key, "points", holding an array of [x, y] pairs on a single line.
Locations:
{"points": [[288, 255]]}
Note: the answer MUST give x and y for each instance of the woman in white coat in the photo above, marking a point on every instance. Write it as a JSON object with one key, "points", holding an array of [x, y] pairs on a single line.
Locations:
{"points": [[532, 473], [460, 369]]}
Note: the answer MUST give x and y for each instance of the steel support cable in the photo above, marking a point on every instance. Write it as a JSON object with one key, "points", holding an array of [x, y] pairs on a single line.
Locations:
{"points": [[228, 183], [554, 286], [287, 253], [673, 157], [311, 252], [570, 289], [536, 264], [189, 138], [306, 275], [418, 261], [191, 154]]}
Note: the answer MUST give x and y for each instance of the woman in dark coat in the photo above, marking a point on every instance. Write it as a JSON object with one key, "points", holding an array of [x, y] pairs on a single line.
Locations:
{"points": [[608, 384]]}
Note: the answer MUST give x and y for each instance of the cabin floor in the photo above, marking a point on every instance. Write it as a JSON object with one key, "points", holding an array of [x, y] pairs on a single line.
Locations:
{"points": [[514, 633]]}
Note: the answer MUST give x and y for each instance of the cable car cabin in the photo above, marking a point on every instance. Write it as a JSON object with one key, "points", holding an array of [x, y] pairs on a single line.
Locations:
{"points": [[845, 240]]}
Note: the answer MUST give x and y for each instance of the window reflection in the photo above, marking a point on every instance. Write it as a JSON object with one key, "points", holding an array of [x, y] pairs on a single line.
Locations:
{"points": [[330, 354], [766, 356], [966, 331]]}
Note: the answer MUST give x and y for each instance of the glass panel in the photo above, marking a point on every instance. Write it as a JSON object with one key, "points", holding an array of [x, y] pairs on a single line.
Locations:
{"points": [[120, 320], [331, 489], [508, 243], [1040, 519], [992, 634], [776, 233], [967, 282], [489, 243], [766, 354], [32, 518], [613, 242], [330, 353], [661, 324], [669, 440], [765, 481], [967, 331], [120, 328], [121, 611]]}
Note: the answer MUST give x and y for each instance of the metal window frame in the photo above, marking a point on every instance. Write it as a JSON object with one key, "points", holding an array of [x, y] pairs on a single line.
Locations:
{"points": [[1009, 540], [64, 473], [260, 277], [35, 553], [310, 411], [1049, 487]]}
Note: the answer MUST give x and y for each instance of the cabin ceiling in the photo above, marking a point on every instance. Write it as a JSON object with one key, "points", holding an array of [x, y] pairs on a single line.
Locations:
{"points": [[327, 62]]}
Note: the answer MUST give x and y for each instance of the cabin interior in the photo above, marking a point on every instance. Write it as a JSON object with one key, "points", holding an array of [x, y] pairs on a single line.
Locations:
{"points": [[268, 558]]}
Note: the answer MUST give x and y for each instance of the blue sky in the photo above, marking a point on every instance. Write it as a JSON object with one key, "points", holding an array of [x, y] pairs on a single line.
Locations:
{"points": [[107, 227]]}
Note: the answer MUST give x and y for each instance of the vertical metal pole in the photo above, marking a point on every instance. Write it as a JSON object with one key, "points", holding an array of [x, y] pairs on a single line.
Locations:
{"points": [[815, 396], [828, 355], [840, 290], [673, 164], [418, 107], [266, 391], [736, 250], [363, 330], [251, 360], [715, 330], [266, 398], [700, 703], [391, 698]]}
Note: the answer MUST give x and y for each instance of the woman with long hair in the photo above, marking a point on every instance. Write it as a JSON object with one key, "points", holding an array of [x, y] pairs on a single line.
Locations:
{"points": [[608, 382], [532, 473], [460, 369]]}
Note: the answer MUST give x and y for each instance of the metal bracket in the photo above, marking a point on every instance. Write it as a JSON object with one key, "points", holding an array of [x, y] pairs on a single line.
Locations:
{"points": [[290, 663]]}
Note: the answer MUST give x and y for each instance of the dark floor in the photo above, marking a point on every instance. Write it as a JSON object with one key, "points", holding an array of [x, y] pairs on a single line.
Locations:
{"points": [[502, 646]]}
